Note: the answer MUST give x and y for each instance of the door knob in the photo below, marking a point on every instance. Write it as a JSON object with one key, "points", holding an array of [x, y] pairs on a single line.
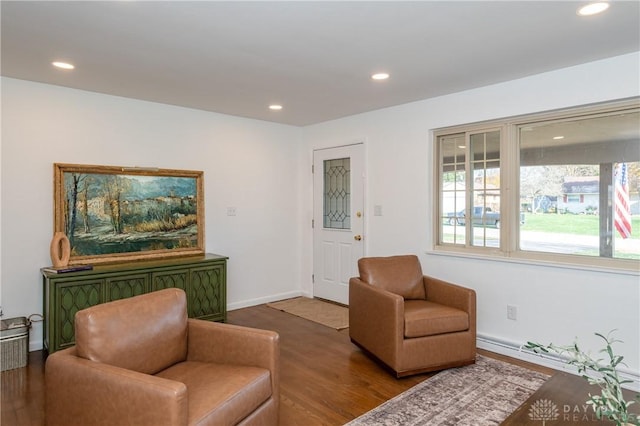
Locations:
{"points": [[358, 237]]}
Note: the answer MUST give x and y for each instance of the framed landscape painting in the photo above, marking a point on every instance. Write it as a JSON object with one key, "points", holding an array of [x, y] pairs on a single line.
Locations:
{"points": [[113, 214]]}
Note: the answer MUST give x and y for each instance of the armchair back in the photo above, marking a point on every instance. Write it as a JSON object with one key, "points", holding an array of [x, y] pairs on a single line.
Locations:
{"points": [[401, 275], [145, 333]]}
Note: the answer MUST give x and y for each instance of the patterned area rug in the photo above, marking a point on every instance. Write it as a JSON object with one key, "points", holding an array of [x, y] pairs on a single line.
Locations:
{"points": [[482, 394], [325, 313]]}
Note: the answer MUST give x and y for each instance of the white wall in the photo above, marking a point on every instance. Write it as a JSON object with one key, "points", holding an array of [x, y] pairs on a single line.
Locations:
{"points": [[554, 304], [263, 170], [248, 164]]}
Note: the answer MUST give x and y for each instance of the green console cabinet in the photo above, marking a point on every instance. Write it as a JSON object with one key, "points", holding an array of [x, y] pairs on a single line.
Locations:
{"points": [[203, 278]]}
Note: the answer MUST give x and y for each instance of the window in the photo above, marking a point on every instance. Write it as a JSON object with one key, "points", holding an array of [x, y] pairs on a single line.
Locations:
{"points": [[476, 196], [560, 186]]}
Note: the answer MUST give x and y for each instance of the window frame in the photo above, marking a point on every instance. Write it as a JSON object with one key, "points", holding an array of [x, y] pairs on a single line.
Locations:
{"points": [[509, 247]]}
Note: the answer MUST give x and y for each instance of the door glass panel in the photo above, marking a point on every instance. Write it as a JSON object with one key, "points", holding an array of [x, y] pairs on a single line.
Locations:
{"points": [[337, 194]]}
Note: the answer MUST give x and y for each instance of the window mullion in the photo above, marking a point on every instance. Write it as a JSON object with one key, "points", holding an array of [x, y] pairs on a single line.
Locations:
{"points": [[510, 194]]}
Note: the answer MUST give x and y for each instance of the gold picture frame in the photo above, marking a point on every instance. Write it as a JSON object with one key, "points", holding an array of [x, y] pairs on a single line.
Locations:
{"points": [[117, 214]]}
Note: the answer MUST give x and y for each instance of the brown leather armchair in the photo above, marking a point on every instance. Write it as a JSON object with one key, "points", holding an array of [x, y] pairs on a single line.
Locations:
{"points": [[141, 361], [410, 322]]}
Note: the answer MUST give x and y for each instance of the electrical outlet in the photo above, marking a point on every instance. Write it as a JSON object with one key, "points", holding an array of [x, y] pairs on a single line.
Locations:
{"points": [[231, 211], [512, 312]]}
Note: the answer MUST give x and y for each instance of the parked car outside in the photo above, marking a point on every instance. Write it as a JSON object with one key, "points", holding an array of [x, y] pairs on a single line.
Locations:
{"points": [[481, 216]]}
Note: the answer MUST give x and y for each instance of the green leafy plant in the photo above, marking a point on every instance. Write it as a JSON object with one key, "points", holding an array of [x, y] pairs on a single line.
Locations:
{"points": [[602, 372]]}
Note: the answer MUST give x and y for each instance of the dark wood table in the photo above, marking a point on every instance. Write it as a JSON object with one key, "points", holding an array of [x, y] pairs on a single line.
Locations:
{"points": [[561, 400]]}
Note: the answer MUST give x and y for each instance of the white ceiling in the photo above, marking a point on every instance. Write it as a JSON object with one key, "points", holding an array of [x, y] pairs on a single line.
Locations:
{"points": [[314, 58]]}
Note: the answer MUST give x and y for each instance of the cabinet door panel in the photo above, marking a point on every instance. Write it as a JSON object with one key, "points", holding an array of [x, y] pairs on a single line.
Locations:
{"points": [[127, 286], [177, 278], [207, 292], [74, 296]]}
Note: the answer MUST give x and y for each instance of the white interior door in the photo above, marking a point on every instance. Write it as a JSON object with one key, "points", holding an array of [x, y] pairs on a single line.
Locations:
{"points": [[338, 220]]}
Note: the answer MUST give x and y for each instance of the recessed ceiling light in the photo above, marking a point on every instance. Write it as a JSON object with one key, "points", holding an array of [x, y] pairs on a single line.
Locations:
{"points": [[275, 107], [63, 65], [593, 8], [380, 76], [557, 138]]}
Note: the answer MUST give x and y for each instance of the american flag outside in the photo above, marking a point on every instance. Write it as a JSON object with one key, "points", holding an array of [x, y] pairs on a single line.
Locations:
{"points": [[622, 212]]}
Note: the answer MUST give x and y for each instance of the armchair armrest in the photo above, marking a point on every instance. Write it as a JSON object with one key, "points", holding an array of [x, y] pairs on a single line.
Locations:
{"points": [[234, 344], [453, 295], [376, 319], [82, 392]]}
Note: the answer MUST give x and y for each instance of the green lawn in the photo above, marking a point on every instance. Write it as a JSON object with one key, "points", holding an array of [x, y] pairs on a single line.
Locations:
{"points": [[571, 224]]}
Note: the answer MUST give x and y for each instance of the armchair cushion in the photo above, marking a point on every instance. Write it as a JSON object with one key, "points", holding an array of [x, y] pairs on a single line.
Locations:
{"points": [[146, 337], [401, 275], [219, 393], [424, 318]]}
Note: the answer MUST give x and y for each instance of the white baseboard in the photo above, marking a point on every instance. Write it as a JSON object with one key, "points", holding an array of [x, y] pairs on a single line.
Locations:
{"points": [[516, 350], [261, 300], [35, 346]]}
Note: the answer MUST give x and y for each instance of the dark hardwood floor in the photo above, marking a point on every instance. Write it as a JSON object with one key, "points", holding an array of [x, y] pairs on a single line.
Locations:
{"points": [[325, 379]]}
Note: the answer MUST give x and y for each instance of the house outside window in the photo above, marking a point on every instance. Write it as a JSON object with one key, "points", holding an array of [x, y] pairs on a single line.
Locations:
{"points": [[580, 195], [543, 187]]}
